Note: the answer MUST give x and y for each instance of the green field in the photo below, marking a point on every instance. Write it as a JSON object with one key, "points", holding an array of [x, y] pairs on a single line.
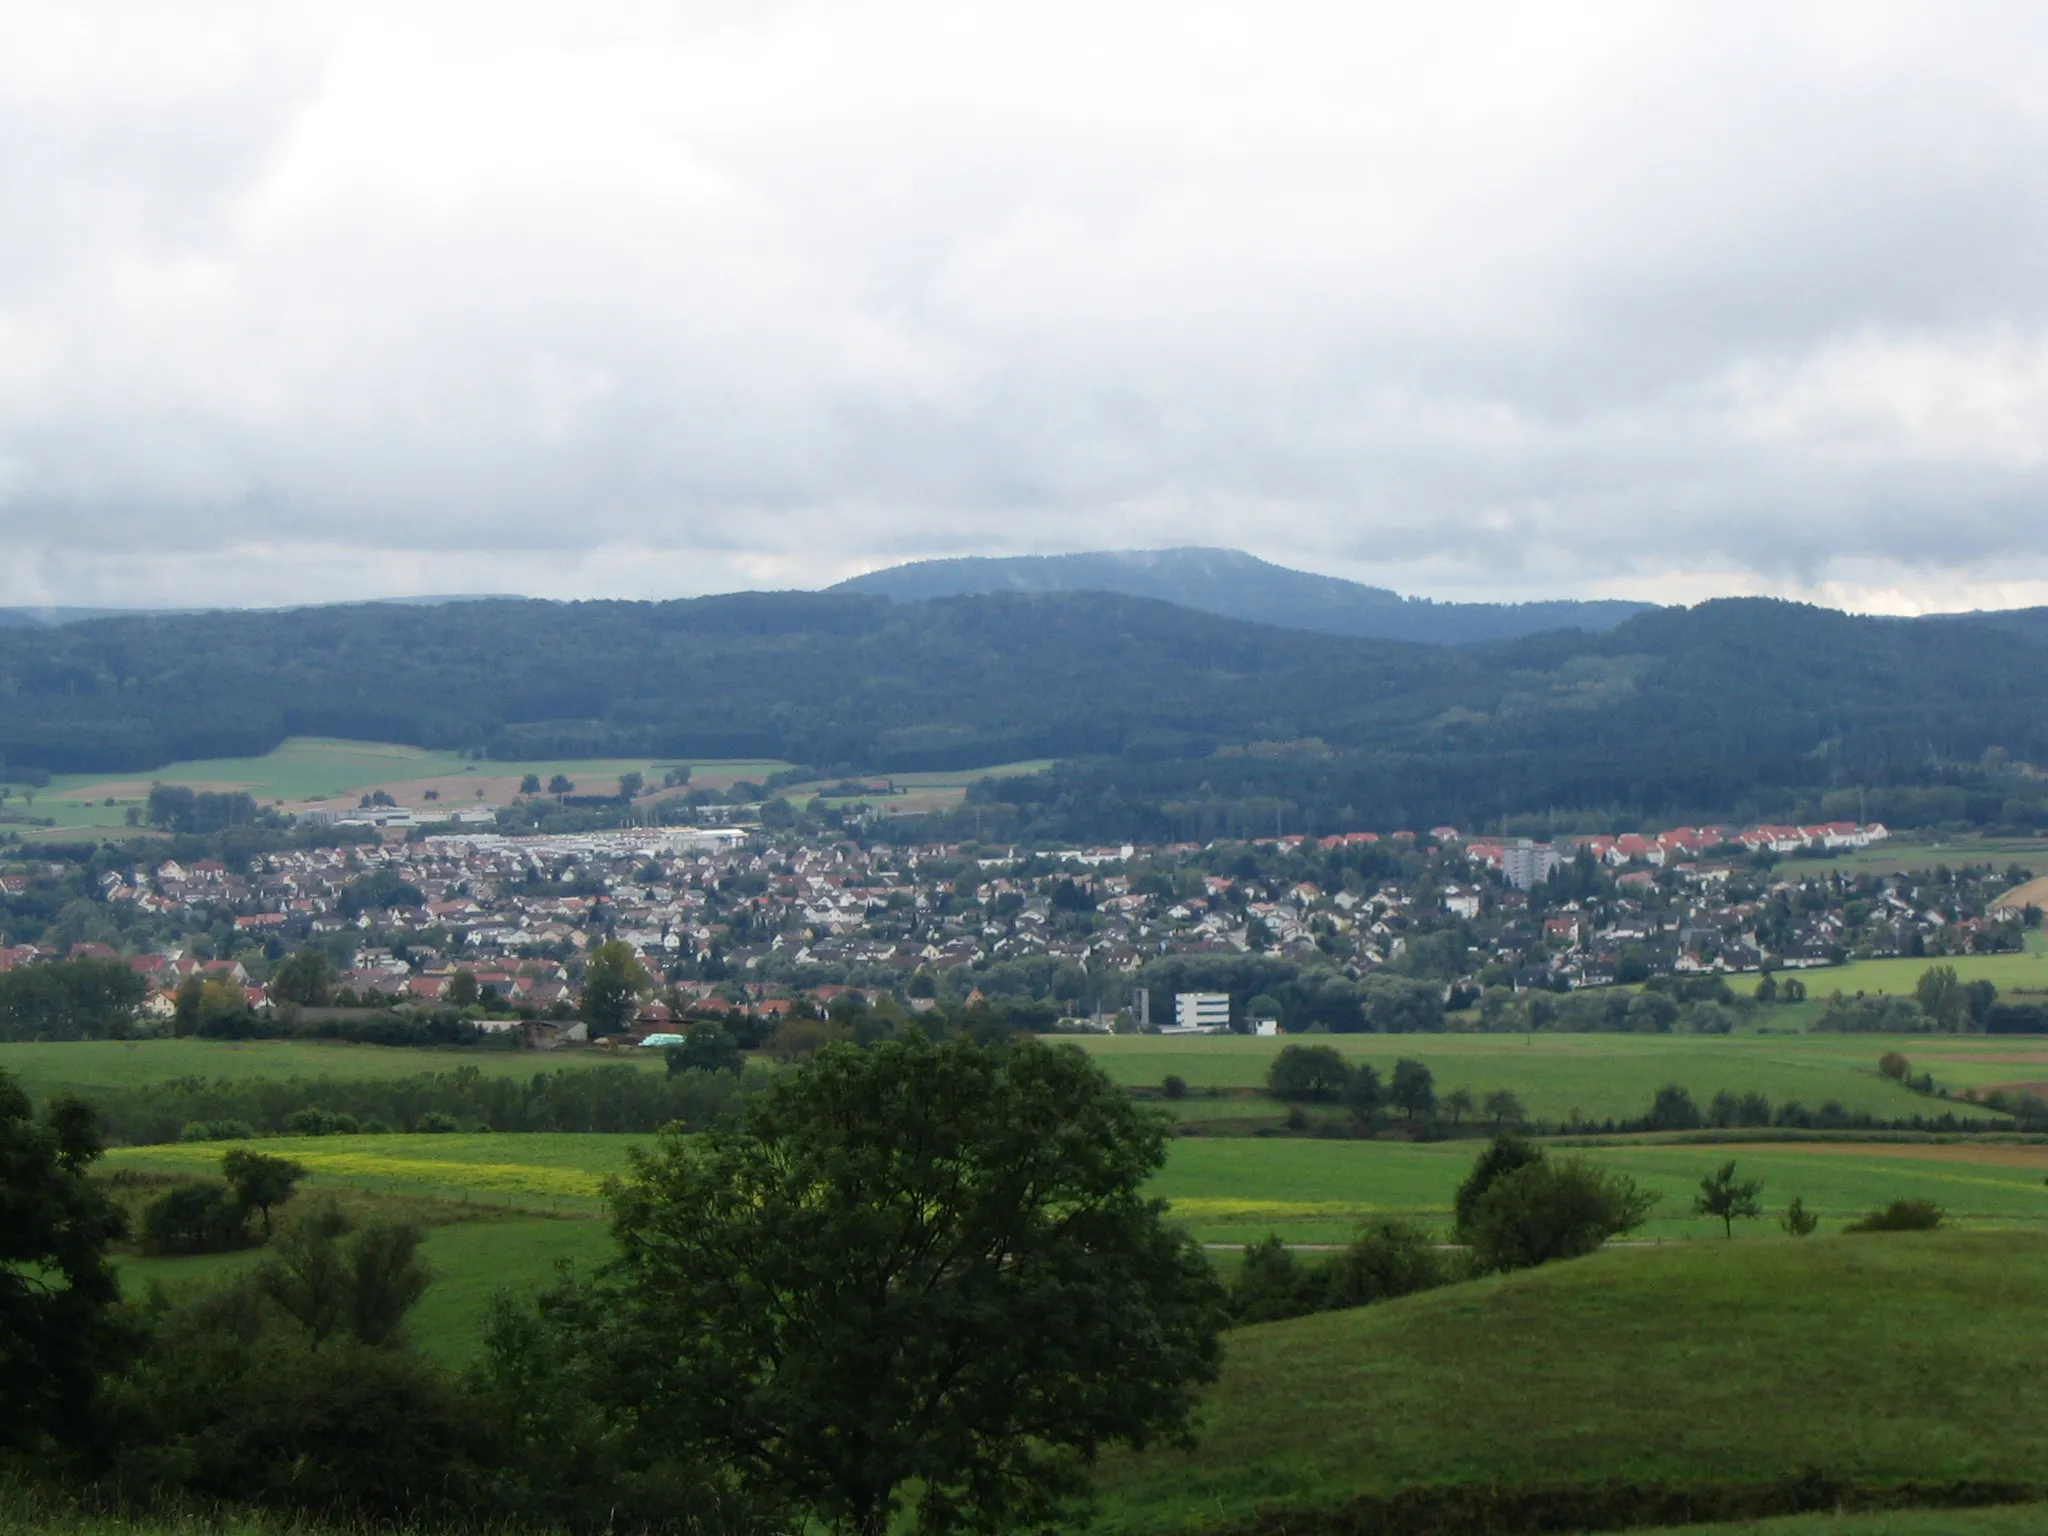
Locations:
{"points": [[2009, 1520], [311, 768], [1872, 1359], [82, 1066], [1902, 855], [1599, 1076]]}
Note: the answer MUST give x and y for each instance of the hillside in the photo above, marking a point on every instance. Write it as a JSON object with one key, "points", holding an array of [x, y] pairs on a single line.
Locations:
{"points": [[1235, 585], [1168, 722], [1692, 1362]]}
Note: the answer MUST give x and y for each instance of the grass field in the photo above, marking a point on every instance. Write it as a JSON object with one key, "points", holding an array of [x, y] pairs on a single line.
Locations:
{"points": [[1874, 1359], [2010, 1520], [81, 1066], [308, 769], [1599, 1076]]}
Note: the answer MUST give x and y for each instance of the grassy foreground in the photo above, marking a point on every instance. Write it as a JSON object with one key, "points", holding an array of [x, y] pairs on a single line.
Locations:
{"points": [[1872, 1359], [2009, 1520]]}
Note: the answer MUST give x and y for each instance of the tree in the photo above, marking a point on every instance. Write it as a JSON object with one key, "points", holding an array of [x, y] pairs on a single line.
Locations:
{"points": [[185, 1004], [530, 784], [1722, 1197], [612, 984], [261, 1182], [1308, 1072], [305, 977], [1503, 1155], [360, 1288], [195, 1218], [630, 785], [1414, 1089], [1942, 996], [708, 1047], [463, 991], [1894, 1066], [1457, 1104], [1552, 1210], [1798, 1221], [58, 1334], [1673, 1110], [561, 784], [919, 1264], [1503, 1108]]}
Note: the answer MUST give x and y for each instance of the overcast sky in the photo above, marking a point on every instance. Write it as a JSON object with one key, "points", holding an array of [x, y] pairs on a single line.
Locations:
{"points": [[640, 300]]}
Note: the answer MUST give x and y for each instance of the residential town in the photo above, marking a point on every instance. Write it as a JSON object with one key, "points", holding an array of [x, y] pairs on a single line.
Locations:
{"points": [[742, 915]]}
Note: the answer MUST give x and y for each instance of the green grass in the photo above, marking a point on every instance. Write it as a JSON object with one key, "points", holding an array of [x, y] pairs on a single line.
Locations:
{"points": [[1872, 1359], [309, 768], [1237, 1189], [84, 1065], [1599, 1076], [1901, 855], [2011, 1520]]}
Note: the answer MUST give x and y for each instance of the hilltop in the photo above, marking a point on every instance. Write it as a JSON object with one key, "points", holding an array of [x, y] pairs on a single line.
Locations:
{"points": [[1235, 585]]}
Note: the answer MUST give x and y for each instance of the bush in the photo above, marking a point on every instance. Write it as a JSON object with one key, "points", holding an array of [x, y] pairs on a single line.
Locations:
{"points": [[1894, 1066], [1175, 1086], [1387, 1258], [1799, 1221], [217, 1130], [1545, 1211], [1900, 1216], [1502, 1156], [434, 1123], [321, 1122], [195, 1218]]}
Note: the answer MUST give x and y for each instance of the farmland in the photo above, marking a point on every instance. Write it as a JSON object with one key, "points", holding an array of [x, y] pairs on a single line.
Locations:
{"points": [[307, 771], [1598, 1075]]}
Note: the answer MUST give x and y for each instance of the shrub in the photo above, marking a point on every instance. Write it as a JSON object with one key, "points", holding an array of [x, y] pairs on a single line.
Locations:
{"points": [[1175, 1086], [194, 1218], [434, 1123], [1900, 1216], [321, 1122], [1387, 1258], [217, 1130], [1673, 1110], [1272, 1285], [1545, 1211], [1502, 1156], [1799, 1221], [1893, 1065]]}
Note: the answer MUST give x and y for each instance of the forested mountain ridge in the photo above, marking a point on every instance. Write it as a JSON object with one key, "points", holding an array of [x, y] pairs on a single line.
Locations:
{"points": [[1743, 701], [1235, 585]]}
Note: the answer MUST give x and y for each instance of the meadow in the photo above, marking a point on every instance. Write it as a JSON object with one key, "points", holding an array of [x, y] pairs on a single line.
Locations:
{"points": [[308, 770], [1598, 1076], [1873, 1359], [84, 1065]]}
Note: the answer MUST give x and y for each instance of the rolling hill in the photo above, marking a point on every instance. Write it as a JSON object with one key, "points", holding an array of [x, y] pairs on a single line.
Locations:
{"points": [[1235, 585], [1164, 720]]}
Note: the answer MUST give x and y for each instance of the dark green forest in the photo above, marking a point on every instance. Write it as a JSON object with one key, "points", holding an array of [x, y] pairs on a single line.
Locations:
{"points": [[1165, 721]]}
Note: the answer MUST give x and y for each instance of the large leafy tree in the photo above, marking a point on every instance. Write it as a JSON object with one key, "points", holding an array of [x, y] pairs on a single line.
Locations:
{"points": [[612, 984], [919, 1264], [57, 1289]]}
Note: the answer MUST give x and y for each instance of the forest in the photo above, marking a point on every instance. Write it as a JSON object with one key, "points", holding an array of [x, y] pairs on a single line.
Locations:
{"points": [[1163, 721]]}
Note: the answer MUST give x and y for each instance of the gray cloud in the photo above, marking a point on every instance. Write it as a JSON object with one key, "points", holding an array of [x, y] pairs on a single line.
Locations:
{"points": [[1492, 301]]}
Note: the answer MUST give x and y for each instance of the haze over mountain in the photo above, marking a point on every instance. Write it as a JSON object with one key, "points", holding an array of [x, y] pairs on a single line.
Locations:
{"points": [[1236, 585]]}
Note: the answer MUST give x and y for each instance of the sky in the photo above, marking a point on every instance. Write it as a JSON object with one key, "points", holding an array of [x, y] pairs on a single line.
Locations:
{"points": [[1662, 301]]}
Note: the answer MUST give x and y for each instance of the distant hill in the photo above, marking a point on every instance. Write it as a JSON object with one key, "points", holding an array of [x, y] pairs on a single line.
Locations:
{"points": [[1166, 722], [1236, 585]]}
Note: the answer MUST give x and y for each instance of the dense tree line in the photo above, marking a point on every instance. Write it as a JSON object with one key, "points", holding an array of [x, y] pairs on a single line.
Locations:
{"points": [[1169, 723]]}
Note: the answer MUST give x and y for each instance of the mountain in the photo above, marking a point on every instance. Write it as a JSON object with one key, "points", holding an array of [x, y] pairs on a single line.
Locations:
{"points": [[1165, 721], [1236, 585]]}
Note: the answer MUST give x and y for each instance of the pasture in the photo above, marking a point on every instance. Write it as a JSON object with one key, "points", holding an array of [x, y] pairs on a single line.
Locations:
{"points": [[310, 770], [1597, 1075], [80, 1066], [1875, 1359]]}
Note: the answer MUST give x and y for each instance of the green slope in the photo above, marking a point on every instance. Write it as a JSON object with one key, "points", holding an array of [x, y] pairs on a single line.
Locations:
{"points": [[1873, 1359]]}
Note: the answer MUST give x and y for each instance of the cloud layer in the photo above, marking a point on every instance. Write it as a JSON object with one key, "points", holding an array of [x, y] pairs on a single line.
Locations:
{"points": [[637, 300]]}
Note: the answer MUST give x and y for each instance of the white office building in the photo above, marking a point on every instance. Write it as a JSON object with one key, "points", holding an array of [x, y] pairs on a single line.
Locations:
{"points": [[1527, 865], [1201, 1010]]}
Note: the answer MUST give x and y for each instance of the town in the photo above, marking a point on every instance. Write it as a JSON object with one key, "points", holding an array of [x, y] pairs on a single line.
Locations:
{"points": [[746, 916]]}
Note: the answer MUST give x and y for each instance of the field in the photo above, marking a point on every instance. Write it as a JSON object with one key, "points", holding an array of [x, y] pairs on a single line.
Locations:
{"points": [[308, 770], [1599, 1076], [1874, 1359], [82, 1066]]}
